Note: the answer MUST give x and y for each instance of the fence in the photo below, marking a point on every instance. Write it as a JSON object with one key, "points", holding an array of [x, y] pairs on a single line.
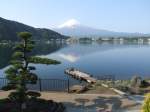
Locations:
{"points": [[56, 84], [44, 84]]}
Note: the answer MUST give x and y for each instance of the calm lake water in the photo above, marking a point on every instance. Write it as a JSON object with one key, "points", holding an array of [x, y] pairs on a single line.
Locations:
{"points": [[121, 60]]}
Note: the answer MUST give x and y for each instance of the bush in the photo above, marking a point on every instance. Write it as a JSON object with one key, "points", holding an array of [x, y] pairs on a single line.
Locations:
{"points": [[146, 105], [144, 84], [122, 88], [33, 105]]}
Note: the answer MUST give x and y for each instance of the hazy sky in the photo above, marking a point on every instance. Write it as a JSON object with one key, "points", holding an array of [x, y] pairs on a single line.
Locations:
{"points": [[116, 15]]}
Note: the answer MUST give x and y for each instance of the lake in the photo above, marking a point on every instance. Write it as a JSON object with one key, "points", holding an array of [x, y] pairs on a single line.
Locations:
{"points": [[121, 60]]}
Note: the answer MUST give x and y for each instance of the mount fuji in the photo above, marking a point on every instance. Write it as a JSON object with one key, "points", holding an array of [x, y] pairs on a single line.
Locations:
{"points": [[73, 28]]}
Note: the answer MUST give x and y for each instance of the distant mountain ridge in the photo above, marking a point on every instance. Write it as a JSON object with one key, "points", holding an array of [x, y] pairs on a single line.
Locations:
{"points": [[9, 30], [75, 29]]}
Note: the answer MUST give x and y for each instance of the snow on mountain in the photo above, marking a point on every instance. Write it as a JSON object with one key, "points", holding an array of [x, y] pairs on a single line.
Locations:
{"points": [[75, 29], [69, 24]]}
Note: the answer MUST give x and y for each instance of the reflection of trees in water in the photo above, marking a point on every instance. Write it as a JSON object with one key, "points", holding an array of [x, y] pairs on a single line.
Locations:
{"points": [[40, 49], [45, 49], [5, 55]]}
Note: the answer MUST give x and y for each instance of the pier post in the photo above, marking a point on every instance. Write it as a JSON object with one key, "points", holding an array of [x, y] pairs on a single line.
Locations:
{"points": [[40, 86], [68, 85]]}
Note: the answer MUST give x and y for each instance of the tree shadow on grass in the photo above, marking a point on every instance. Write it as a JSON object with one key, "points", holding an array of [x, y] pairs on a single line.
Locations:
{"points": [[111, 103]]}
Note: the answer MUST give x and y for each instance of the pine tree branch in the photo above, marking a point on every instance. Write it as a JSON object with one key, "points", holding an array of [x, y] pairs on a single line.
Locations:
{"points": [[39, 60]]}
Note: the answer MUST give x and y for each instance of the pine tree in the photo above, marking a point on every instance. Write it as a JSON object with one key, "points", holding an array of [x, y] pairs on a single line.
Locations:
{"points": [[20, 73]]}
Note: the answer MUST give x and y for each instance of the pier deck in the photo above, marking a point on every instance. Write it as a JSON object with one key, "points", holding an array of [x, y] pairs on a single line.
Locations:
{"points": [[80, 75]]}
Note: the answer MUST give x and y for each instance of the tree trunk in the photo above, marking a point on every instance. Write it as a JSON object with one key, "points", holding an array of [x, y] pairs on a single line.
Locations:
{"points": [[23, 106]]}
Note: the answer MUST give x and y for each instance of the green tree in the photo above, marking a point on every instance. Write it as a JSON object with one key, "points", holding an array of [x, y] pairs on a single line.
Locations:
{"points": [[20, 73]]}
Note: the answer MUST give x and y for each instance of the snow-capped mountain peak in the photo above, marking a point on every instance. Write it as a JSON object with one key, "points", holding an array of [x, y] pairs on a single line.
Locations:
{"points": [[69, 24], [73, 28]]}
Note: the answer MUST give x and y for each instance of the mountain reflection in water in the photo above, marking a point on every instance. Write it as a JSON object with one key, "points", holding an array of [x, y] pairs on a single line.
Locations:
{"points": [[121, 60]]}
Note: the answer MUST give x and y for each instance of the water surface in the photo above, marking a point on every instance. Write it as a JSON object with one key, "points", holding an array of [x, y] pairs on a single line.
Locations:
{"points": [[121, 60]]}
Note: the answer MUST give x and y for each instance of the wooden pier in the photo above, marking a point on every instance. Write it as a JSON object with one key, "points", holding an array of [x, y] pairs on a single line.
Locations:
{"points": [[80, 75], [88, 78]]}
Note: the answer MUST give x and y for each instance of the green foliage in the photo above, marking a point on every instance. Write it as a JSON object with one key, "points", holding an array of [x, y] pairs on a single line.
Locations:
{"points": [[12, 27], [144, 84], [11, 70], [146, 105], [25, 35], [39, 60], [122, 85], [16, 64], [17, 96], [17, 54], [20, 73], [34, 105], [8, 87]]}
